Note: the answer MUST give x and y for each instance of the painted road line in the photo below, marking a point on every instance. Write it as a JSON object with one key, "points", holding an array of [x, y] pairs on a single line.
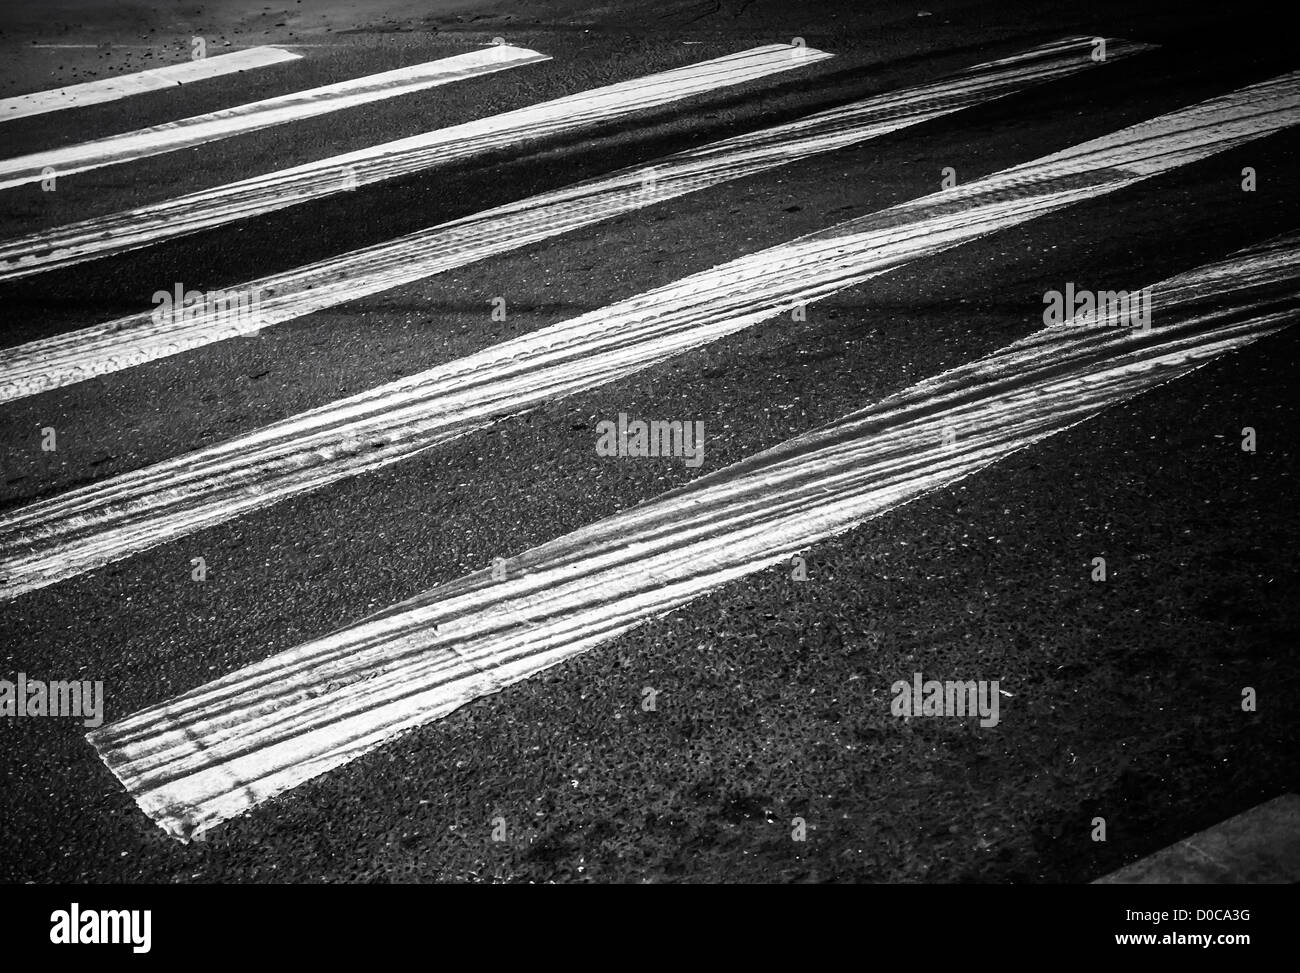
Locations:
{"points": [[154, 79], [132, 340], [103, 522], [220, 749], [1260, 846], [147, 225], [189, 132]]}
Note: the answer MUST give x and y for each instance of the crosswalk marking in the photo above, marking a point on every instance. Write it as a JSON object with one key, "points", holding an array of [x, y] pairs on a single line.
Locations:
{"points": [[121, 86], [103, 522], [189, 132], [147, 225], [134, 339], [222, 748]]}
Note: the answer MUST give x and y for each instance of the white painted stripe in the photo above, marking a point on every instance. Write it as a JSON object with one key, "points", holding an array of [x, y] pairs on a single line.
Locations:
{"points": [[189, 132], [1260, 846], [216, 751], [147, 225], [154, 46], [102, 349], [104, 522], [121, 86]]}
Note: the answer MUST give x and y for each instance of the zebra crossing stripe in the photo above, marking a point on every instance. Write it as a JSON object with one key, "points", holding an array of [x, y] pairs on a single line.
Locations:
{"points": [[189, 132], [268, 193], [154, 79], [222, 748], [137, 338], [103, 522]]}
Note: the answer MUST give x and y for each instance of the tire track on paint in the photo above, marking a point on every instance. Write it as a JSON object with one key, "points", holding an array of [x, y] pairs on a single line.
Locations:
{"points": [[132, 340], [220, 749], [154, 79], [147, 225], [189, 132], [104, 522]]}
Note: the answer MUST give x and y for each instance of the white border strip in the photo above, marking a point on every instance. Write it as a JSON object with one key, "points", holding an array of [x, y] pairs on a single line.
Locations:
{"points": [[132, 340], [220, 749], [198, 129], [147, 225], [154, 79], [106, 521]]}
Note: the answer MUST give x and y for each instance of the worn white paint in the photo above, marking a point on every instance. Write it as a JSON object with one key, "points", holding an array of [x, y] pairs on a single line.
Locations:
{"points": [[132, 340], [198, 129], [147, 225], [224, 747], [154, 79], [104, 522]]}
